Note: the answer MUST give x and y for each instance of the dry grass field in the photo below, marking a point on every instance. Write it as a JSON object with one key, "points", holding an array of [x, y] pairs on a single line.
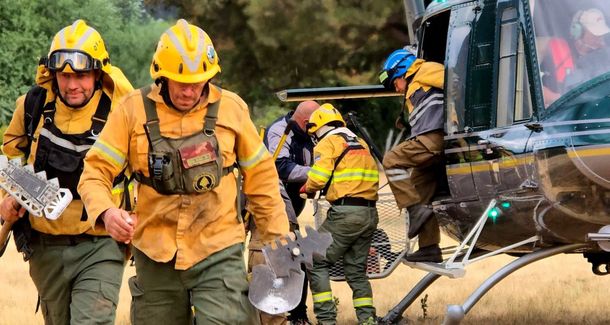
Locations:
{"points": [[560, 290]]}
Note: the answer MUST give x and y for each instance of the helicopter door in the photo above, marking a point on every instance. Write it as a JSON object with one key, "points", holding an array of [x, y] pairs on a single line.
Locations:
{"points": [[502, 165], [459, 30]]}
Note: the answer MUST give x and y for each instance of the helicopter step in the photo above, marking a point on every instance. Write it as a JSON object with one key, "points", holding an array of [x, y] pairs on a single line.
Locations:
{"points": [[465, 254], [457, 269], [436, 268], [602, 238]]}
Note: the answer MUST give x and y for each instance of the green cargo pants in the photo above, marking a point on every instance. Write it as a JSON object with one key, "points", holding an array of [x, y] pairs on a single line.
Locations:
{"points": [[216, 288], [77, 278], [352, 230]]}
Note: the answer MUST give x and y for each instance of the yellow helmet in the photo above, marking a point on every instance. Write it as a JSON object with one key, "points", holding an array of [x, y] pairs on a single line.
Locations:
{"points": [[78, 47], [324, 115], [185, 53]]}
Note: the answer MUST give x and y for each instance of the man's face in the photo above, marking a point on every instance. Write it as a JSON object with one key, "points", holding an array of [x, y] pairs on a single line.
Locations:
{"points": [[185, 96], [589, 43], [400, 85], [76, 88]]}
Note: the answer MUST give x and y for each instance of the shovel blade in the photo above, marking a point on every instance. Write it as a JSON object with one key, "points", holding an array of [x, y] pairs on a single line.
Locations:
{"points": [[275, 295]]}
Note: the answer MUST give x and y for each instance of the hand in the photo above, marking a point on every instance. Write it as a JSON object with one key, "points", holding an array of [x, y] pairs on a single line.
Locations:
{"points": [[11, 210], [304, 194], [120, 224], [398, 123]]}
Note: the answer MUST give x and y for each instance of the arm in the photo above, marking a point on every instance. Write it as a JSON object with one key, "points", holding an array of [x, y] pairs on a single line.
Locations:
{"points": [[15, 135], [14, 139], [260, 181], [287, 168], [103, 163], [325, 155]]}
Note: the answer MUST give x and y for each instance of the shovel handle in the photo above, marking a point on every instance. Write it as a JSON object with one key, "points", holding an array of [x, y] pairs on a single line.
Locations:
{"points": [[6, 229]]}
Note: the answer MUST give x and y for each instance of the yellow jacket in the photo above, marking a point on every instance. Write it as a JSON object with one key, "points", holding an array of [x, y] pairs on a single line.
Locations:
{"points": [[69, 121], [356, 174], [190, 227], [427, 75]]}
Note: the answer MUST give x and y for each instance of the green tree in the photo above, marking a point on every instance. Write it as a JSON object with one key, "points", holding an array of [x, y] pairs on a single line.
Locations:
{"points": [[27, 28], [268, 45]]}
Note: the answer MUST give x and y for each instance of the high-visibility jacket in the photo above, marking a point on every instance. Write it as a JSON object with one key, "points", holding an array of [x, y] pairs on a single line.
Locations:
{"points": [[194, 226], [425, 97], [356, 175], [69, 121]]}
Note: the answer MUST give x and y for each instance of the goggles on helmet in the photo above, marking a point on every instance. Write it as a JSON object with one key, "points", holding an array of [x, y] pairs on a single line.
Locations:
{"points": [[78, 61]]}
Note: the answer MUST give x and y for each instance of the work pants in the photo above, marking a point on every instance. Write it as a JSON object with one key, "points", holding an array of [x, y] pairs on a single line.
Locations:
{"points": [[214, 290], [77, 277], [352, 229], [411, 171]]}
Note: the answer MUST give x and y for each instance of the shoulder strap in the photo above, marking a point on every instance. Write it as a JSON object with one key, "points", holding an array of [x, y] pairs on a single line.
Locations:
{"points": [[352, 143], [153, 132], [101, 114], [33, 105], [152, 119], [209, 123]]}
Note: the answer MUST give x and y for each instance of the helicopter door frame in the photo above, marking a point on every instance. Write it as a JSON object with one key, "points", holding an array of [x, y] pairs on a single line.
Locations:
{"points": [[503, 165], [457, 65], [512, 87]]}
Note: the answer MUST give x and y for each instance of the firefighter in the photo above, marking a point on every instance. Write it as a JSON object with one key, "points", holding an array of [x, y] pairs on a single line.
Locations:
{"points": [[182, 137], [346, 171], [76, 267], [410, 166]]}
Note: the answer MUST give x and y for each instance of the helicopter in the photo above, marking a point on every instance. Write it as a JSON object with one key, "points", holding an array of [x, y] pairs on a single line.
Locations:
{"points": [[527, 134]]}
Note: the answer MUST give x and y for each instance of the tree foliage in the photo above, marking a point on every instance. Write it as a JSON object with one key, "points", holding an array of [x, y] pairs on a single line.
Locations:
{"points": [[268, 45], [264, 45], [27, 28]]}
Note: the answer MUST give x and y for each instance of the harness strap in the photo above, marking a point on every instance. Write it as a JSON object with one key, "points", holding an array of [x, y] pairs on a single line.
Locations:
{"points": [[352, 144], [101, 114], [153, 131], [98, 120], [147, 181]]}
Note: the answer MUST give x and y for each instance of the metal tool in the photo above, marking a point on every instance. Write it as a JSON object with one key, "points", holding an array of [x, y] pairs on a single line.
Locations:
{"points": [[276, 286]]}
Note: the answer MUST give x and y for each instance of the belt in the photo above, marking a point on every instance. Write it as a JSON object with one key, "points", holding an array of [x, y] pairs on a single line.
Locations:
{"points": [[357, 201], [62, 240]]}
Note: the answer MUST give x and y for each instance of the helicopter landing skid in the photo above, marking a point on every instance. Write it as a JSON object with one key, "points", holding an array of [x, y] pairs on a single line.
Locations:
{"points": [[455, 313], [453, 269]]}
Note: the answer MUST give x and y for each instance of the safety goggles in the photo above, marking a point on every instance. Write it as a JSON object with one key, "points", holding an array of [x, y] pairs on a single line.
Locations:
{"points": [[78, 61]]}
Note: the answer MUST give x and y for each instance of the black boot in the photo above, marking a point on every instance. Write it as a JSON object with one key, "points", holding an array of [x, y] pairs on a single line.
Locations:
{"points": [[430, 253], [418, 216]]}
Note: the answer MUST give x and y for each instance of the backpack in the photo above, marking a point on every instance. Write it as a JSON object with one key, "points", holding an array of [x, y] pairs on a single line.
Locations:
{"points": [[32, 111]]}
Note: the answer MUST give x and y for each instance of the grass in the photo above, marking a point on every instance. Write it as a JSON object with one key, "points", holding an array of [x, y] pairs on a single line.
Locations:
{"points": [[559, 290]]}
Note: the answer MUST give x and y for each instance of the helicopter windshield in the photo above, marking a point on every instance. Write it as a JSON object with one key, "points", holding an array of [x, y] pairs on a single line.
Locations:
{"points": [[572, 43]]}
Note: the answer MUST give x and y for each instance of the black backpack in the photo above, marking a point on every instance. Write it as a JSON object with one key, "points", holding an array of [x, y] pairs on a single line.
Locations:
{"points": [[32, 111]]}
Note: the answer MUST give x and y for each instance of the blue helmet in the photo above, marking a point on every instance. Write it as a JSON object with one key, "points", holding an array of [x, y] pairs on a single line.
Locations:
{"points": [[396, 65]]}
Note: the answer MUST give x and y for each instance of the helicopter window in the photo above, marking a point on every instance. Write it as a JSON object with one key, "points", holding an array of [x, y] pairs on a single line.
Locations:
{"points": [[513, 100], [523, 103], [572, 43], [508, 59], [456, 70], [434, 40]]}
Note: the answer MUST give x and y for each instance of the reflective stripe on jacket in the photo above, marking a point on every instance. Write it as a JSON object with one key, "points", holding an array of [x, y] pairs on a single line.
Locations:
{"points": [[425, 102], [356, 174], [189, 227], [69, 121]]}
